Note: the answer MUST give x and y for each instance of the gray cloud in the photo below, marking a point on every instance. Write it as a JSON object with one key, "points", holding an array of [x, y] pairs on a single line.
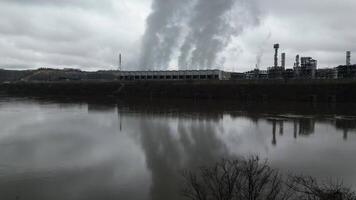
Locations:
{"points": [[83, 34], [84, 4], [89, 34], [322, 29]]}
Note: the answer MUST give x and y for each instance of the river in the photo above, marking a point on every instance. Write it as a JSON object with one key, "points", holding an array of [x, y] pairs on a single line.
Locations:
{"points": [[135, 149]]}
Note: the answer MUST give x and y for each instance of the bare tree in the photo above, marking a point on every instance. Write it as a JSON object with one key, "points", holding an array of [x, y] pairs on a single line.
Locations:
{"points": [[217, 182], [308, 188], [253, 179], [239, 179], [261, 182]]}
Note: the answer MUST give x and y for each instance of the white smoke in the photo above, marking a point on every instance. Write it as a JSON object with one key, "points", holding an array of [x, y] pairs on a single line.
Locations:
{"points": [[210, 24], [162, 33], [261, 50]]}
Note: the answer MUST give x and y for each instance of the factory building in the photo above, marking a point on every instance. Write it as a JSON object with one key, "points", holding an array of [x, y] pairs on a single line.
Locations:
{"points": [[328, 73], [348, 58], [348, 70], [256, 74], [304, 68], [173, 75], [296, 67], [237, 76], [289, 74], [277, 72], [308, 67]]}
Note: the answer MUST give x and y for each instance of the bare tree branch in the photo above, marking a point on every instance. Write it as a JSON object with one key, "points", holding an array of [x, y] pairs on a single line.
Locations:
{"points": [[253, 179]]}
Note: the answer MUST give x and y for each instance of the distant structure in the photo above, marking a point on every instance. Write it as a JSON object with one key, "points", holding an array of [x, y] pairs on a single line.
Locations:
{"points": [[348, 58], [120, 62], [296, 66], [305, 67], [283, 62], [276, 47], [296, 61], [276, 72], [173, 75], [346, 71], [308, 67]]}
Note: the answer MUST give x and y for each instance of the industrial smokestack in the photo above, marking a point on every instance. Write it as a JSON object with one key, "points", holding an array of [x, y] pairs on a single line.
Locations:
{"points": [[283, 63], [120, 62], [348, 58], [297, 61], [276, 47]]}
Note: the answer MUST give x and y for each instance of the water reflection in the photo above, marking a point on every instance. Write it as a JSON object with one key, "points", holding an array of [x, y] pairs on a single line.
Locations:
{"points": [[188, 138], [346, 125], [303, 127], [171, 146], [53, 149]]}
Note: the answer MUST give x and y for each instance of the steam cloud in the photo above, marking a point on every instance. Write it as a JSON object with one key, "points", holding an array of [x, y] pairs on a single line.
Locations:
{"points": [[162, 33], [210, 26], [261, 51]]}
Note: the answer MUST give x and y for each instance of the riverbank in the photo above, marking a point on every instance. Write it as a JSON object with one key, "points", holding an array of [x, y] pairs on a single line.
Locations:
{"points": [[257, 91]]}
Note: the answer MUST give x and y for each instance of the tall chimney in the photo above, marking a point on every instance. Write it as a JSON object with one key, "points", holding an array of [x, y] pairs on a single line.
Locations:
{"points": [[297, 61], [120, 62], [283, 63], [276, 47], [348, 58]]}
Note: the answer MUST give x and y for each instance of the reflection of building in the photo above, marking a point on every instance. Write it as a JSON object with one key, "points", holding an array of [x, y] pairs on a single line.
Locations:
{"points": [[295, 129], [101, 107], [274, 139], [274, 130], [302, 127], [281, 128], [345, 126], [306, 126]]}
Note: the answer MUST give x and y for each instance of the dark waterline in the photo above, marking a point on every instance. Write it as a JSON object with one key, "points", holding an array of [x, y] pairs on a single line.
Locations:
{"points": [[53, 148]]}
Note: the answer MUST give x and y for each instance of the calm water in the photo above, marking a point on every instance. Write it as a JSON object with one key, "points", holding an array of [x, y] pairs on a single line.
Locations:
{"points": [[66, 149]]}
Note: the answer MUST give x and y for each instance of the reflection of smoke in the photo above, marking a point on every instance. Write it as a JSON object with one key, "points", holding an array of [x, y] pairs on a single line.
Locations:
{"points": [[211, 24], [196, 144], [261, 51]]}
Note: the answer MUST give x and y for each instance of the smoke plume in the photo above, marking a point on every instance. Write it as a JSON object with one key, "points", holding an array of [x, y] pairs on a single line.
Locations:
{"points": [[162, 33], [261, 50], [210, 25], [209, 33]]}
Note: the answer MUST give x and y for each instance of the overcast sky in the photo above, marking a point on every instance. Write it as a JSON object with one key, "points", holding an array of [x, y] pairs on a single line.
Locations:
{"points": [[89, 34]]}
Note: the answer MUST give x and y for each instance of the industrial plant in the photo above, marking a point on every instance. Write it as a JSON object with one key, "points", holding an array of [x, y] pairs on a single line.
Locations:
{"points": [[303, 82], [304, 68]]}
